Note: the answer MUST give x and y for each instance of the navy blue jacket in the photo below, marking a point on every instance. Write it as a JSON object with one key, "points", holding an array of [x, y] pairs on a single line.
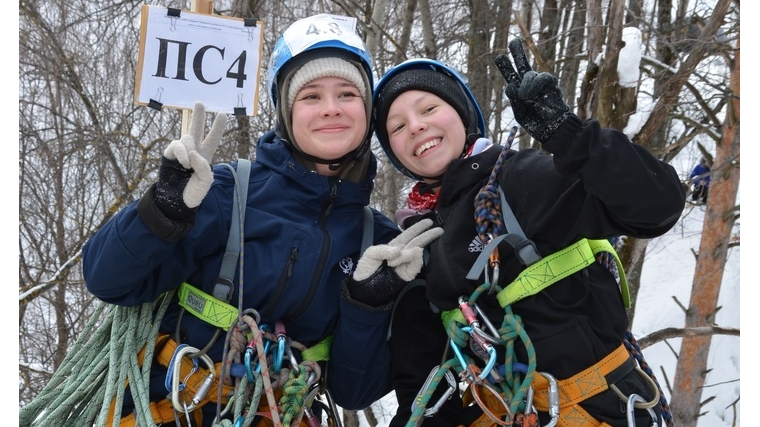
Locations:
{"points": [[303, 234]]}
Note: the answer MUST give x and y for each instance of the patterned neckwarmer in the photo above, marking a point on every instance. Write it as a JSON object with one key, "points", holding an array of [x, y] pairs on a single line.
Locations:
{"points": [[423, 196]]}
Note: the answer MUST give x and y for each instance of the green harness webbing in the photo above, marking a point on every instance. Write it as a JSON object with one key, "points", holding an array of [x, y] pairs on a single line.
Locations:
{"points": [[215, 309], [541, 273], [550, 269]]}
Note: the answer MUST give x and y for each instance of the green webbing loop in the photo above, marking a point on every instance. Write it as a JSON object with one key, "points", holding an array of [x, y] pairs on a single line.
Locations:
{"points": [[319, 351], [557, 266], [207, 308], [453, 315]]}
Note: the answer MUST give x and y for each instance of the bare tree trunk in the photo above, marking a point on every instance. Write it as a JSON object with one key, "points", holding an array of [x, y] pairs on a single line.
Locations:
{"points": [[500, 41], [370, 416], [569, 69], [691, 368], [350, 418], [607, 83], [480, 58], [676, 82], [595, 42], [428, 32]]}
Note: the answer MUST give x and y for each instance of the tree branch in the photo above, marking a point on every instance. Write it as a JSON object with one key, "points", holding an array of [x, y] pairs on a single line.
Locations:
{"points": [[667, 333]]}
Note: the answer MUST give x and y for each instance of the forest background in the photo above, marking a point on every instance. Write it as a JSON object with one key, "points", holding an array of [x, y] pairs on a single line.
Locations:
{"points": [[86, 150]]}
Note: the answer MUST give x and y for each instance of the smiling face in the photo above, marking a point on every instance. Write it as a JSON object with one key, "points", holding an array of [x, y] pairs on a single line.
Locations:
{"points": [[424, 132], [329, 119]]}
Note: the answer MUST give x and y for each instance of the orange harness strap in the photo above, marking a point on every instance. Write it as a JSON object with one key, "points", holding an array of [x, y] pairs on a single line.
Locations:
{"points": [[163, 410], [577, 388]]}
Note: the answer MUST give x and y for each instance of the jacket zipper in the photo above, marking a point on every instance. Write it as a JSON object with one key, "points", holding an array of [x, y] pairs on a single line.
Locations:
{"points": [[287, 273], [319, 270]]}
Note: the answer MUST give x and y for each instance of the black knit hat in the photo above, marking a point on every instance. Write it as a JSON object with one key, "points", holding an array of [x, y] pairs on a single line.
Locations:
{"points": [[426, 80]]}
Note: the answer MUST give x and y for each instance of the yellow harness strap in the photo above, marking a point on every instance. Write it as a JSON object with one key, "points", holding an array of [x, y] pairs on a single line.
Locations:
{"points": [[319, 351], [206, 307], [577, 388], [555, 267]]}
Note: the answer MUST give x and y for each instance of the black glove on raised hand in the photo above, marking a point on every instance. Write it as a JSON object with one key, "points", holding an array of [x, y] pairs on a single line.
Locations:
{"points": [[536, 98]]}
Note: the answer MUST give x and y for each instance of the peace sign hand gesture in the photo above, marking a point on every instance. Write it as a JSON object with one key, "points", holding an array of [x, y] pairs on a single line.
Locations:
{"points": [[536, 98], [185, 175]]}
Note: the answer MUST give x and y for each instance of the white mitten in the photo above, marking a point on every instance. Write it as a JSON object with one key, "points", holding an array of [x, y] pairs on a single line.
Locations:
{"points": [[404, 253], [196, 156]]}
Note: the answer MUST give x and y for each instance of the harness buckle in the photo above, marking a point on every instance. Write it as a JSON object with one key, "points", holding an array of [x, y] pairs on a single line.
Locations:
{"points": [[527, 252], [223, 289]]}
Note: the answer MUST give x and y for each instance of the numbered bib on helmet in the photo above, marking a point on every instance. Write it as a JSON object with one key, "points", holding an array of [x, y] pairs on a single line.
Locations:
{"points": [[310, 31], [316, 32]]}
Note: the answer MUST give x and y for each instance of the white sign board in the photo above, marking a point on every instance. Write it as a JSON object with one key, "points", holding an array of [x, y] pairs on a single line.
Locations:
{"points": [[187, 57]]}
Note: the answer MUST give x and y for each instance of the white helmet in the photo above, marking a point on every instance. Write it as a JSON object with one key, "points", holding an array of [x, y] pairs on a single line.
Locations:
{"points": [[315, 34]]}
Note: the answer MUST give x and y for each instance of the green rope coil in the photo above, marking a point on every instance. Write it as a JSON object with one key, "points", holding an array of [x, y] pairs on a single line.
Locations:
{"points": [[96, 370]]}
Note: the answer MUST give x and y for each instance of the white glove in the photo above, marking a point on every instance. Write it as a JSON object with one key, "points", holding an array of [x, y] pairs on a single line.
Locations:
{"points": [[197, 156], [404, 253]]}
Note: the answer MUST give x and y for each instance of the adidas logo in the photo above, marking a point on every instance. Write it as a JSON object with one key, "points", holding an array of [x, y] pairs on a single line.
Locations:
{"points": [[476, 245]]}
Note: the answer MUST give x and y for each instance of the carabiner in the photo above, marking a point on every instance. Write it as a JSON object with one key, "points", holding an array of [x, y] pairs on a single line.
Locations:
{"points": [[292, 358], [429, 412], [529, 417], [494, 261], [630, 406], [470, 312], [279, 331], [487, 347], [250, 351], [553, 399], [475, 390], [202, 390]]}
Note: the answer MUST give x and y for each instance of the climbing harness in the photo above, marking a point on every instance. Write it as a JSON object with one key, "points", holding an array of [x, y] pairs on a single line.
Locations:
{"points": [[119, 344], [511, 393]]}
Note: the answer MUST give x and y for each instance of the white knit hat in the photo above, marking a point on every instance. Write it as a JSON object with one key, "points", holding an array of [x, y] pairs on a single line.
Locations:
{"points": [[325, 67]]}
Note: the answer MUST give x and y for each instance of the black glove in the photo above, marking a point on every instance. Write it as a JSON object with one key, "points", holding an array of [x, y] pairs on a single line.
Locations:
{"points": [[536, 98], [377, 291], [172, 180]]}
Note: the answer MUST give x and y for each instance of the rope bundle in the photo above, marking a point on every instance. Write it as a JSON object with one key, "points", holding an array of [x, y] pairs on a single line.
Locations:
{"points": [[91, 375]]}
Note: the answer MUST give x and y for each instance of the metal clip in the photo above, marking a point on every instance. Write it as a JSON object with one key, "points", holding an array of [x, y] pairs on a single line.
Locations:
{"points": [[494, 261], [202, 390], [630, 407], [476, 386], [429, 412], [553, 399]]}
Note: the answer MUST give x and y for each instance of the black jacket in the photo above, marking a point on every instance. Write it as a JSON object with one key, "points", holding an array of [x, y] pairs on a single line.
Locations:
{"points": [[593, 183]]}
